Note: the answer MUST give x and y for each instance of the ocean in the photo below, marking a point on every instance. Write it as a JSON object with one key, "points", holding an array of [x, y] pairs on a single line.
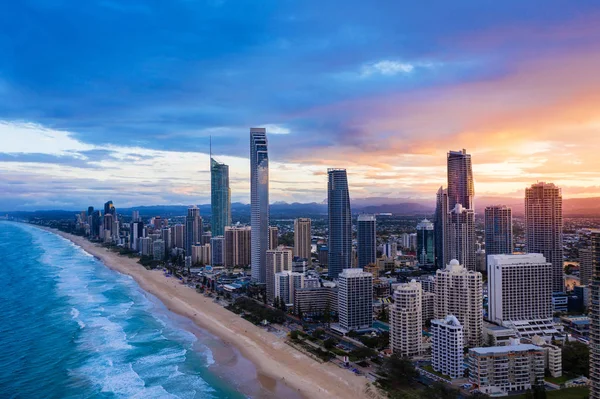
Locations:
{"points": [[72, 328]]}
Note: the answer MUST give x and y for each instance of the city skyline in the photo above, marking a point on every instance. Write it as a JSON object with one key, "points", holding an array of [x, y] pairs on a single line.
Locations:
{"points": [[515, 87]]}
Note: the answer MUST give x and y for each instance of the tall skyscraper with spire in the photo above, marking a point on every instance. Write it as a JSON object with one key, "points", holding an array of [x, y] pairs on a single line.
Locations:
{"points": [[220, 197], [259, 199], [340, 222], [455, 213], [544, 227]]}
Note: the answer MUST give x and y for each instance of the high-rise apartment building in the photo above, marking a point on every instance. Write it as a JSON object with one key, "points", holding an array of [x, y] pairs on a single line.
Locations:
{"points": [[158, 249], [278, 260], [586, 266], [193, 228], [544, 227], [459, 292], [303, 239], [520, 288], [440, 226], [286, 284], [167, 236], [135, 216], [595, 317], [340, 222], [220, 197], [390, 250], [109, 209], [498, 230], [179, 236], [425, 243], [355, 299], [461, 189], [366, 233], [259, 198], [460, 236], [237, 246], [273, 237], [447, 346], [406, 324], [217, 249]]}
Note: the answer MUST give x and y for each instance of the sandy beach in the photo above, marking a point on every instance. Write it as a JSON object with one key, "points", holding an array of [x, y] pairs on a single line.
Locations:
{"points": [[272, 357]]}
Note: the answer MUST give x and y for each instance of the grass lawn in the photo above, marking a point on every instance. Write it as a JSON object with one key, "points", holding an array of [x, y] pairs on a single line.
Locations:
{"points": [[429, 368], [569, 393], [559, 380]]}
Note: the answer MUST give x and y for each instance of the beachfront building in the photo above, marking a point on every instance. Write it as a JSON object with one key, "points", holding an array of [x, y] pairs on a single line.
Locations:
{"points": [[512, 368], [311, 300], [355, 304], [158, 250], [447, 346], [286, 284], [406, 320], [459, 292], [145, 244], [278, 260]]}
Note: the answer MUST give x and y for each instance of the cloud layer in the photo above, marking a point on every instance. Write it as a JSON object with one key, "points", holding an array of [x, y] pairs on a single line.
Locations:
{"points": [[117, 99]]}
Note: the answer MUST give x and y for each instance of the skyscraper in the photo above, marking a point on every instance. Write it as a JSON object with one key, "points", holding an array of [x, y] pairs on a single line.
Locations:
{"points": [[406, 324], [367, 240], [459, 292], [461, 189], [498, 230], [340, 222], [595, 318], [273, 237], [447, 347], [220, 197], [544, 227], [237, 246], [455, 214], [425, 243], [303, 239], [109, 208], [355, 301], [179, 236], [259, 198], [193, 228]]}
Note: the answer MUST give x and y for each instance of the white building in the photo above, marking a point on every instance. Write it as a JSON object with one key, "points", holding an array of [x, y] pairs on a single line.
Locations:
{"points": [[520, 294], [355, 303], [158, 250], [506, 368], [278, 260], [286, 284], [447, 347], [406, 321], [145, 244], [459, 292]]}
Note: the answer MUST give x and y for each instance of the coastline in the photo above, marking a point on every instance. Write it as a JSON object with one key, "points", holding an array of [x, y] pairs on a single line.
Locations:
{"points": [[274, 360]]}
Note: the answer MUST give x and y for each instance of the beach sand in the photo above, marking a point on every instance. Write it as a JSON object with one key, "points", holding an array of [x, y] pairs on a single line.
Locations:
{"points": [[275, 361]]}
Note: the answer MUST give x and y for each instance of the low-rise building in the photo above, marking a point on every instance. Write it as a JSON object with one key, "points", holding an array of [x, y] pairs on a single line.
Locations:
{"points": [[510, 368], [577, 325], [313, 301]]}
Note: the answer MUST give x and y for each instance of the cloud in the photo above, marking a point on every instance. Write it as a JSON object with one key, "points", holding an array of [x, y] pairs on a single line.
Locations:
{"points": [[276, 129], [386, 68]]}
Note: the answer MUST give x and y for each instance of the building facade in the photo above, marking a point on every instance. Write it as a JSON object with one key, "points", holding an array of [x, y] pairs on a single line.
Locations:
{"points": [[355, 302], [406, 323], [193, 228], [544, 227], [459, 292], [278, 260], [303, 239], [366, 234], [220, 197], [595, 318], [237, 246], [340, 222], [425, 243], [259, 199], [273, 237], [447, 346], [286, 284], [498, 230], [217, 249]]}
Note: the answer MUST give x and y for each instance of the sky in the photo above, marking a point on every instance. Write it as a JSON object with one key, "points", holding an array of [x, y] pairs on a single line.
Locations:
{"points": [[117, 99]]}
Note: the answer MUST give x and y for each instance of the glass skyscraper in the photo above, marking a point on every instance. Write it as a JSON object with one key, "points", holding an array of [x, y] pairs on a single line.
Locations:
{"points": [[259, 199], [340, 222], [220, 197], [366, 239], [498, 230], [425, 243]]}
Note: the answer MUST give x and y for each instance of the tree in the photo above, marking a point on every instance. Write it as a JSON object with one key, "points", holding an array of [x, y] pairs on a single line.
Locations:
{"points": [[576, 359], [300, 315], [294, 335], [440, 391], [397, 373], [327, 315], [276, 302], [318, 333], [362, 353], [329, 343]]}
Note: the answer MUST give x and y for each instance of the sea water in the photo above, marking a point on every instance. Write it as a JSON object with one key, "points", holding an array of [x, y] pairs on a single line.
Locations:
{"points": [[72, 328]]}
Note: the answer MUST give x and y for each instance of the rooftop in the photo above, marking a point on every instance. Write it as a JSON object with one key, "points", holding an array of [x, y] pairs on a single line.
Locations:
{"points": [[505, 349]]}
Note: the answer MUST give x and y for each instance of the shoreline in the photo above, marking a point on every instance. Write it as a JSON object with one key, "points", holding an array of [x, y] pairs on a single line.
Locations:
{"points": [[272, 357]]}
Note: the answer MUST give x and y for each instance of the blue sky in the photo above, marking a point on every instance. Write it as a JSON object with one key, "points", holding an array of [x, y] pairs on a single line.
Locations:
{"points": [[115, 99]]}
